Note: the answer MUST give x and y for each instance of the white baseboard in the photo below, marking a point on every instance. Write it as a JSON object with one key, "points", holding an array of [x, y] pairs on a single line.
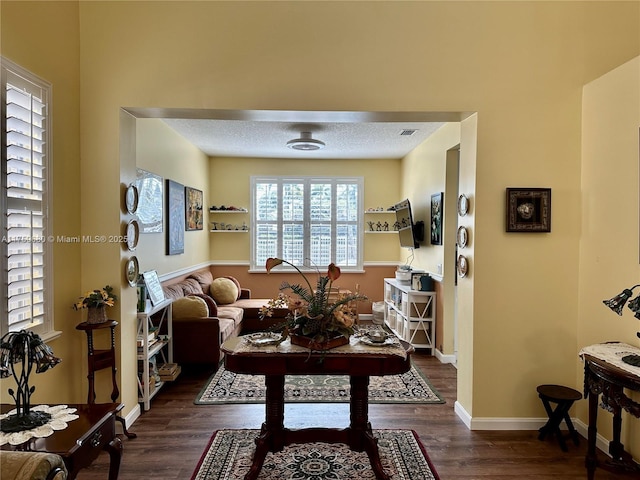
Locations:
{"points": [[445, 358], [602, 443]]}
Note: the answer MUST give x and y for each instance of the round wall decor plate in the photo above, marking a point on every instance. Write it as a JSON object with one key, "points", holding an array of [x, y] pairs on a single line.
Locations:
{"points": [[463, 266], [463, 205], [133, 232], [131, 271], [131, 198], [462, 237]]}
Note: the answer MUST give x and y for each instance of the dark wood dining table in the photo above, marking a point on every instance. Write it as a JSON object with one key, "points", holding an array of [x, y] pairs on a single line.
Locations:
{"points": [[353, 360]]}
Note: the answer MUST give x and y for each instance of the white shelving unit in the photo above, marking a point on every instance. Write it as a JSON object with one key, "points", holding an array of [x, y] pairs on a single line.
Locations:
{"points": [[411, 314], [163, 347]]}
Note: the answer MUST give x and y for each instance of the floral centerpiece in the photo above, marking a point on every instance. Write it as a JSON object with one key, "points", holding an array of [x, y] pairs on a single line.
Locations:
{"points": [[96, 301], [314, 313]]}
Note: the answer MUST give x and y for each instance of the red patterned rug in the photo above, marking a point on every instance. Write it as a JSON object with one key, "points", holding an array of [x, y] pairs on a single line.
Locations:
{"points": [[229, 453]]}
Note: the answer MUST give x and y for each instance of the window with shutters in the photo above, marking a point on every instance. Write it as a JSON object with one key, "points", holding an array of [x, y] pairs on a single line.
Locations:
{"points": [[308, 221], [26, 162]]}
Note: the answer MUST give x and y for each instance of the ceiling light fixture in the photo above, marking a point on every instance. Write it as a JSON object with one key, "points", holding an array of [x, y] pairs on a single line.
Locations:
{"points": [[305, 142]]}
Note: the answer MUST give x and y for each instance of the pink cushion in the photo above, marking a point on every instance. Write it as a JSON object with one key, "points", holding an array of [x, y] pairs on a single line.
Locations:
{"points": [[204, 278]]}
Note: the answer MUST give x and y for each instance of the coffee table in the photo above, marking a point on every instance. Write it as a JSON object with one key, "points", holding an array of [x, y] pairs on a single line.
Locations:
{"points": [[274, 365], [84, 438]]}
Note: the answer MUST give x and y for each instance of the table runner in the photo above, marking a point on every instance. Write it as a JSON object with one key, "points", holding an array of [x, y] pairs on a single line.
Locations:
{"points": [[612, 353], [60, 415], [355, 346]]}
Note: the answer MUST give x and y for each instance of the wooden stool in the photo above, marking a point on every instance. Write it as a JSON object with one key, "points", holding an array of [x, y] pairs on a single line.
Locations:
{"points": [[564, 398]]}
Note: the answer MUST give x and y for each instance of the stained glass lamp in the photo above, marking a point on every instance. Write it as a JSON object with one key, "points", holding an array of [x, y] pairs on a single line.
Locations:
{"points": [[20, 352], [617, 304]]}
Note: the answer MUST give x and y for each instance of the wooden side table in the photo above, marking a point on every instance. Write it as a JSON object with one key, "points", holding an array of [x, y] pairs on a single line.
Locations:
{"points": [[82, 441], [100, 359], [605, 383]]}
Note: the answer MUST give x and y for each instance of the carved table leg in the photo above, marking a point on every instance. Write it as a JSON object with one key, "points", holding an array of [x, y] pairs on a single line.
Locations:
{"points": [[114, 447], [272, 435], [361, 435], [591, 460]]}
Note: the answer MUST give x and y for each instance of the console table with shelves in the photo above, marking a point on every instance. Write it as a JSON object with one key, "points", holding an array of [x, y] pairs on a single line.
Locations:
{"points": [[409, 313], [154, 318]]}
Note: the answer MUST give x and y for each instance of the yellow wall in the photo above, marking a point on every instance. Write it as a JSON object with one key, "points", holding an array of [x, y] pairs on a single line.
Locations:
{"points": [[425, 172], [162, 151], [521, 311], [230, 185], [610, 242], [53, 56]]}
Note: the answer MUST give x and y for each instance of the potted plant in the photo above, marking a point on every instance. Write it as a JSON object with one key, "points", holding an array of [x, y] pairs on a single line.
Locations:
{"points": [[96, 301]]}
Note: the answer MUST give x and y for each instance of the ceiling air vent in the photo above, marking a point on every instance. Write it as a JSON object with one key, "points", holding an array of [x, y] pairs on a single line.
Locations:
{"points": [[407, 132]]}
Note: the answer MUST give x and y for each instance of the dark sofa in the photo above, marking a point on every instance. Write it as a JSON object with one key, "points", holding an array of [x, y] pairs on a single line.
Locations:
{"points": [[197, 340]]}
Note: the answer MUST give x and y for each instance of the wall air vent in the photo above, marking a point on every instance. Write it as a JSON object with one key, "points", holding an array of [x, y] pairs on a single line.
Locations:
{"points": [[407, 132]]}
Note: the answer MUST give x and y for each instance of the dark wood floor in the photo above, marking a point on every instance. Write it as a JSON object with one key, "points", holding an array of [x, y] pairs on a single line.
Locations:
{"points": [[174, 433]]}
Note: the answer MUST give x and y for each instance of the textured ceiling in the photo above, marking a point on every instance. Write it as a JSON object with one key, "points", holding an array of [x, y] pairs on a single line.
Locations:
{"points": [[265, 133], [268, 139]]}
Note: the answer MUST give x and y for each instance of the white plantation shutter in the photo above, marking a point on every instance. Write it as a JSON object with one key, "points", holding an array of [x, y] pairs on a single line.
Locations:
{"points": [[308, 221], [24, 197]]}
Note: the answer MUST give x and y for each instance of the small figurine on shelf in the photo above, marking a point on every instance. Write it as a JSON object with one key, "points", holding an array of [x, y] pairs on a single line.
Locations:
{"points": [[371, 226], [396, 225], [378, 227], [215, 225], [385, 226]]}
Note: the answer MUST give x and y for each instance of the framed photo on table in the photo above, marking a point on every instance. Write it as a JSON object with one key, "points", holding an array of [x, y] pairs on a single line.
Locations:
{"points": [[154, 289], [528, 210]]}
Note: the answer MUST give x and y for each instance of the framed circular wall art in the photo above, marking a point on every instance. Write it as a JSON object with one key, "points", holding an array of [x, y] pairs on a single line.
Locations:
{"points": [[462, 237], [463, 205], [463, 266], [131, 198]]}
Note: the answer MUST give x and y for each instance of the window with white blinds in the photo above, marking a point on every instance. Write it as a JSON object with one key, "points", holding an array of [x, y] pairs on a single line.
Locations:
{"points": [[25, 234], [308, 221]]}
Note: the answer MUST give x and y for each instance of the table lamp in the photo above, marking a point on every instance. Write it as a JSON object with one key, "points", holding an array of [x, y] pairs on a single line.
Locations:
{"points": [[26, 349], [616, 304]]}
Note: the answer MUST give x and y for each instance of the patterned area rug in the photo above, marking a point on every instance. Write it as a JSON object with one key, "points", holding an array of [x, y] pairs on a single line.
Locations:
{"points": [[228, 387], [229, 453]]}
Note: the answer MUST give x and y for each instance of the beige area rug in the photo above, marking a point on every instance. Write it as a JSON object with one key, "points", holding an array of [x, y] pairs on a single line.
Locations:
{"points": [[229, 453]]}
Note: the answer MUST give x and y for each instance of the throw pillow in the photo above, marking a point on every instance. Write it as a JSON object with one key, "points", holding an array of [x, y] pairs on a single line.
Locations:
{"points": [[190, 306], [223, 291], [204, 278], [233, 279], [211, 303]]}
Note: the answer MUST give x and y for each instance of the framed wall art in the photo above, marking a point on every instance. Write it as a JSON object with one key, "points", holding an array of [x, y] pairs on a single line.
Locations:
{"points": [[175, 218], [528, 210], [436, 218], [150, 201], [193, 208]]}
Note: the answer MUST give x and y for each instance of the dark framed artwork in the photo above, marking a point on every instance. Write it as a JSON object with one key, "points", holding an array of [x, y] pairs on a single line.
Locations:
{"points": [[528, 210], [175, 218], [193, 208], [436, 218], [150, 201]]}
